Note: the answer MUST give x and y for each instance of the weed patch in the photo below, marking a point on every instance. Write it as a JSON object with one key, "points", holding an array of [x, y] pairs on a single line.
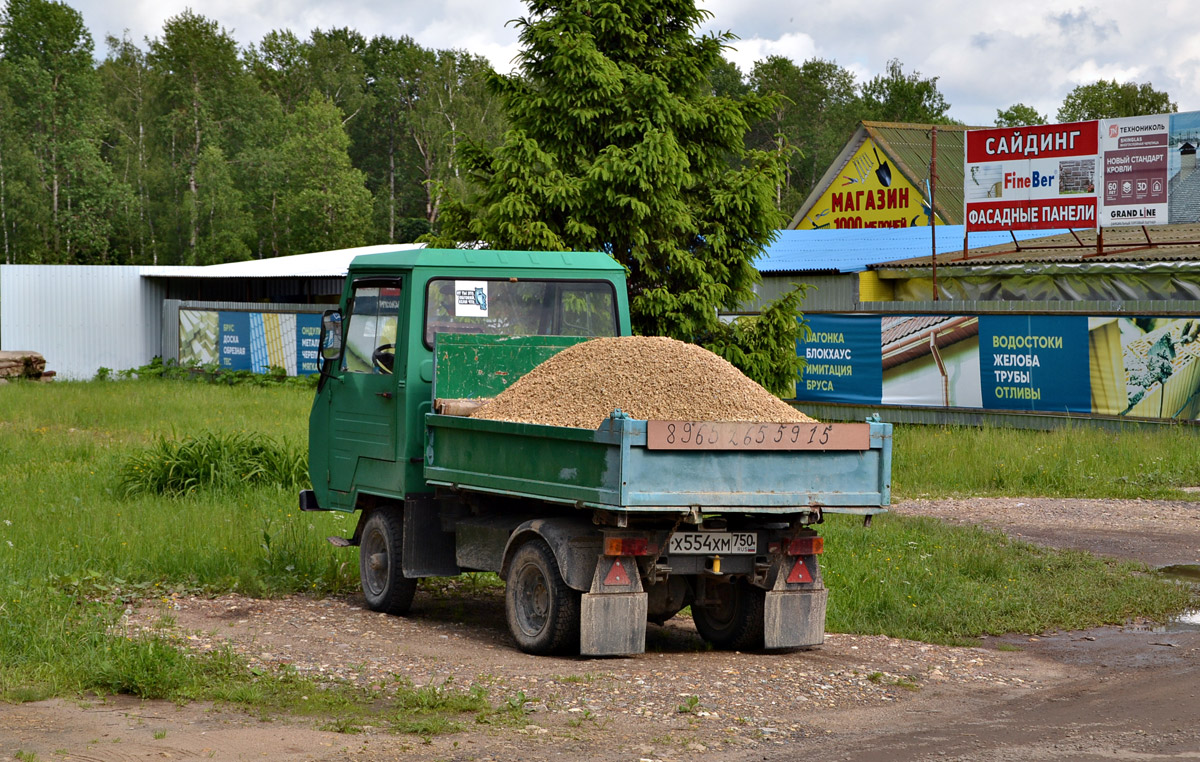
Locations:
{"points": [[212, 460]]}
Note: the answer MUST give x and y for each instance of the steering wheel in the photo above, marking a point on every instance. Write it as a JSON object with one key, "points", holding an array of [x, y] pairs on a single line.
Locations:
{"points": [[384, 358]]}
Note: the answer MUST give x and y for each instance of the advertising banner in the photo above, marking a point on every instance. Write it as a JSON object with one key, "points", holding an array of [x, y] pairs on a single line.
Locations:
{"points": [[1144, 367], [843, 360], [253, 341], [931, 360], [1183, 182], [1031, 178], [869, 193], [308, 344], [233, 346], [1034, 362], [1133, 157]]}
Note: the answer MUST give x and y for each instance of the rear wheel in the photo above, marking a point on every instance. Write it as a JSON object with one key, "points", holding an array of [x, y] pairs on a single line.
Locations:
{"points": [[380, 567], [543, 612], [732, 618]]}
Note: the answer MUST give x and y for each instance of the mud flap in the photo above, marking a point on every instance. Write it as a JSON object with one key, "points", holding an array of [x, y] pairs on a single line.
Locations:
{"points": [[612, 624], [794, 618], [612, 616]]}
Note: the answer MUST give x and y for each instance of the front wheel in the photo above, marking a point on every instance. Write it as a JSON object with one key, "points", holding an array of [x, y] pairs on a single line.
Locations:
{"points": [[543, 612], [733, 620], [379, 564]]}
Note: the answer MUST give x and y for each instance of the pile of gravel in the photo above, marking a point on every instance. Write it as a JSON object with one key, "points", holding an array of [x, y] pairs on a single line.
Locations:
{"points": [[647, 377]]}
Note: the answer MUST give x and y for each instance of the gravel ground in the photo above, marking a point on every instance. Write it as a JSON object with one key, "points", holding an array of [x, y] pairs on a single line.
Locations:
{"points": [[1158, 532], [1105, 694]]}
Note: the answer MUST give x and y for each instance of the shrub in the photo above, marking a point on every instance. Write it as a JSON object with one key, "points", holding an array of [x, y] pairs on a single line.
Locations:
{"points": [[213, 461]]}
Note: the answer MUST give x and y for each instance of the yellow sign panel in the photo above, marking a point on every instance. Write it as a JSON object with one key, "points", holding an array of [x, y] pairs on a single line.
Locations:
{"points": [[869, 193]]}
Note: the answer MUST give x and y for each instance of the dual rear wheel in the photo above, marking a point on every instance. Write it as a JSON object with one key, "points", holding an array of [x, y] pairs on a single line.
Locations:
{"points": [[732, 616]]}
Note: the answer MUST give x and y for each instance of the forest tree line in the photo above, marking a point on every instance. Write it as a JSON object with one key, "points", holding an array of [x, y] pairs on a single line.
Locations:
{"points": [[190, 150]]}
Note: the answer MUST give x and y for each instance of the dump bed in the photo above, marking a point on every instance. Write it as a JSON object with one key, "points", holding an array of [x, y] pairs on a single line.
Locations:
{"points": [[645, 466], [619, 467]]}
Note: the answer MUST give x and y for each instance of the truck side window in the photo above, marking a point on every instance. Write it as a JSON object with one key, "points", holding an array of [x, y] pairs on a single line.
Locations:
{"points": [[371, 330]]}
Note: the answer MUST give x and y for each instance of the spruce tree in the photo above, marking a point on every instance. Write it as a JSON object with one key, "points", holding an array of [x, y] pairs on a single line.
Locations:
{"points": [[617, 143]]}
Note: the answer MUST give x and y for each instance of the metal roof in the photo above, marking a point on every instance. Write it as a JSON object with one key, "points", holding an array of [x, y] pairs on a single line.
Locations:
{"points": [[911, 148], [449, 258], [336, 264], [321, 264], [1129, 245], [850, 251]]}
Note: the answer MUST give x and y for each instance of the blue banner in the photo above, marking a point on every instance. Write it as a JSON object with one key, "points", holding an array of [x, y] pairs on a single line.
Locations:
{"points": [[843, 360], [233, 340], [1035, 362], [308, 344]]}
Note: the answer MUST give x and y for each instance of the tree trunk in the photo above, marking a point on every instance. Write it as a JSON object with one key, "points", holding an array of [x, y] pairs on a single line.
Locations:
{"points": [[4, 210], [57, 230], [194, 207], [392, 189]]}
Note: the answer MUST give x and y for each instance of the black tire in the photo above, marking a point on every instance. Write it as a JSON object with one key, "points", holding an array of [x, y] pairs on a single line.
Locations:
{"points": [[735, 622], [380, 569], [543, 613]]}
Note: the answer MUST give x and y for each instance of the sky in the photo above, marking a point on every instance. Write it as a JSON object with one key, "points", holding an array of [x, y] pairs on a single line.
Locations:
{"points": [[986, 56]]}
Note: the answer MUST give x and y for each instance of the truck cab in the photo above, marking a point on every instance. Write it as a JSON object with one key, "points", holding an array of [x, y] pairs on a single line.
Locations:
{"points": [[366, 432]]}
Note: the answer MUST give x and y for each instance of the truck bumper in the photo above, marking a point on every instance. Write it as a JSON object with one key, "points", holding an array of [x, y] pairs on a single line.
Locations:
{"points": [[308, 501]]}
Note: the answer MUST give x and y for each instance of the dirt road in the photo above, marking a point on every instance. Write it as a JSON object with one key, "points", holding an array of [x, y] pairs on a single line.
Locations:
{"points": [[1113, 694]]}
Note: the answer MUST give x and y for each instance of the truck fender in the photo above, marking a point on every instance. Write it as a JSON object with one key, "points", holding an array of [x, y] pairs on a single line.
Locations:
{"points": [[364, 514], [575, 543]]}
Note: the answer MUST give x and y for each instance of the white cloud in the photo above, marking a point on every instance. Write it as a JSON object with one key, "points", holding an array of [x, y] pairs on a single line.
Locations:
{"points": [[798, 47], [986, 56]]}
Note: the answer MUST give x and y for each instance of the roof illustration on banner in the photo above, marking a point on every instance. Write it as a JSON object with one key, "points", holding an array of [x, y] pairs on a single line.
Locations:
{"points": [[907, 337], [851, 251], [889, 156]]}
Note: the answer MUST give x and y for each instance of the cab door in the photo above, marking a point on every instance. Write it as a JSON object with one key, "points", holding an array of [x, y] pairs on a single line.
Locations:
{"points": [[365, 394]]}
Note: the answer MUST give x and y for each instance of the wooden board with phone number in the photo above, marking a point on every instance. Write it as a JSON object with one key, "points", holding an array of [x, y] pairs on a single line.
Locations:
{"points": [[709, 435]]}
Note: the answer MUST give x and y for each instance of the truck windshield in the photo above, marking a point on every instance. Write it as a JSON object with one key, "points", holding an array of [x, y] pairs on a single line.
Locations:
{"points": [[520, 308]]}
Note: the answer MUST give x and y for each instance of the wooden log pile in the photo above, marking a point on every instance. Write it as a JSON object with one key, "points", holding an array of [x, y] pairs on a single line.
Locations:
{"points": [[29, 365]]}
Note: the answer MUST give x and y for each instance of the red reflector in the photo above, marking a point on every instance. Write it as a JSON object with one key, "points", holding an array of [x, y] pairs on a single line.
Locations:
{"points": [[628, 546], [799, 573], [805, 546], [616, 575]]}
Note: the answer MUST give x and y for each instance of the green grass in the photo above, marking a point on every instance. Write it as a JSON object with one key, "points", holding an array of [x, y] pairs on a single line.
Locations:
{"points": [[74, 549], [925, 580], [944, 461], [77, 544]]}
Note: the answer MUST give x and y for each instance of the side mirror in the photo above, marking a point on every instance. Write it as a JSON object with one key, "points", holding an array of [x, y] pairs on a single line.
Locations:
{"points": [[331, 335]]}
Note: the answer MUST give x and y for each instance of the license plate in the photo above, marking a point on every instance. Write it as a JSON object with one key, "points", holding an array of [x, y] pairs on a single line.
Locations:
{"points": [[704, 543]]}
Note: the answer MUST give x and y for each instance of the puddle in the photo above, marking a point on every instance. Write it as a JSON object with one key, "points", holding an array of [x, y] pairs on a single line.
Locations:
{"points": [[1181, 572], [1188, 621], [1191, 619]]}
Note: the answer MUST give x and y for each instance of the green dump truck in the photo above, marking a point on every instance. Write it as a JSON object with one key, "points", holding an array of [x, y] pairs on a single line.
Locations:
{"points": [[595, 532]]}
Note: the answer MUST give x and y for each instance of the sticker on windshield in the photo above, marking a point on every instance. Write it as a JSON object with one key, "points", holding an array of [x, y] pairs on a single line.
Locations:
{"points": [[470, 298]]}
